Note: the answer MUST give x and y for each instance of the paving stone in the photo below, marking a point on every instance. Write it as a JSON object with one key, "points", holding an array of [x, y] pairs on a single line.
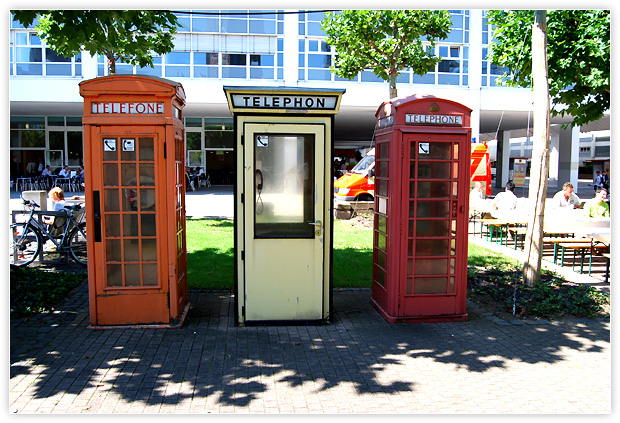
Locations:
{"points": [[357, 364]]}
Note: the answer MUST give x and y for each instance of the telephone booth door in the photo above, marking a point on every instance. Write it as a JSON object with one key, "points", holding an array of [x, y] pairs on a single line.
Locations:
{"points": [[285, 222], [437, 182]]}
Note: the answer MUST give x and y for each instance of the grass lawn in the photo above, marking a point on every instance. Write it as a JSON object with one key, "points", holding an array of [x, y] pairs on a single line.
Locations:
{"points": [[210, 254], [491, 276]]}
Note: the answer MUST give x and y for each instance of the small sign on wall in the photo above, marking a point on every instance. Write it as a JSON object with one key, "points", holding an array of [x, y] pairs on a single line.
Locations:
{"points": [[129, 144], [109, 144]]}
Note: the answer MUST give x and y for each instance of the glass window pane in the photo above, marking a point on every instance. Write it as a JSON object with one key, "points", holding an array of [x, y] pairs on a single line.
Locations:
{"points": [[128, 174], [112, 225], [432, 170], [430, 189], [55, 70], [111, 202], [113, 250], [147, 175], [147, 224], [236, 72], [234, 26], [192, 140], [132, 249], [130, 225], [130, 199], [177, 71], [74, 147], [110, 174], [436, 150], [128, 149], [234, 59], [147, 199], [146, 149], [149, 250], [110, 149], [132, 275], [115, 275], [432, 227], [262, 27], [431, 247], [284, 186], [430, 285], [430, 266], [149, 274], [29, 69], [52, 56], [433, 209], [177, 58]]}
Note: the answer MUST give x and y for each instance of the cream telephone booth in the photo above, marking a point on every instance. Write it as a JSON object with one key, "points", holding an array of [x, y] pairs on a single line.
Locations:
{"points": [[283, 203]]}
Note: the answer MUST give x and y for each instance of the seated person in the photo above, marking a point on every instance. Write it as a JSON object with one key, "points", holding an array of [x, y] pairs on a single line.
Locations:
{"points": [[65, 172], [56, 222], [476, 198], [566, 198], [597, 207], [505, 201]]}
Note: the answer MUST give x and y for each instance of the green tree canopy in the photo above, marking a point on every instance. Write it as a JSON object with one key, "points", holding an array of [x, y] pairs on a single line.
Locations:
{"points": [[131, 36], [578, 52], [385, 41]]}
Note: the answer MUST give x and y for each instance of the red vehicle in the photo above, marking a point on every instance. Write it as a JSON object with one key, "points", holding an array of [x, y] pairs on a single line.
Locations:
{"points": [[359, 183], [480, 167]]}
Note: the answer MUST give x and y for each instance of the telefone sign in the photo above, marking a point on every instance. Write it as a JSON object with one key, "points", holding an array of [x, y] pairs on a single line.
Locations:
{"points": [[423, 119], [110, 108]]}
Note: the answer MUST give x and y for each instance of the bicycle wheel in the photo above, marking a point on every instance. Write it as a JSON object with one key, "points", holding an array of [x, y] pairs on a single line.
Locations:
{"points": [[76, 244], [25, 244]]}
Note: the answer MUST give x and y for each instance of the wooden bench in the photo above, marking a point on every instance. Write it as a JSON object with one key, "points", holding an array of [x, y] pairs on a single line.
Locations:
{"points": [[493, 224], [556, 240], [608, 257], [518, 231], [581, 247]]}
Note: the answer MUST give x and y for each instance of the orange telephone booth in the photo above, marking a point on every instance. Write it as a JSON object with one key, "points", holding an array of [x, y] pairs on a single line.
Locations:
{"points": [[422, 165], [135, 200]]}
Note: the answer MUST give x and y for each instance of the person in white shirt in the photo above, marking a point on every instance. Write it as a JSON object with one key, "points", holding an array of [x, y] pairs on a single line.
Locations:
{"points": [[47, 176], [475, 196], [566, 198], [477, 202], [505, 201], [65, 173]]}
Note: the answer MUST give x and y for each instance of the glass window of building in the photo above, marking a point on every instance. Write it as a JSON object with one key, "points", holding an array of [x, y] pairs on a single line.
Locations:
{"points": [[310, 23], [28, 54], [27, 132], [219, 133], [490, 72]]}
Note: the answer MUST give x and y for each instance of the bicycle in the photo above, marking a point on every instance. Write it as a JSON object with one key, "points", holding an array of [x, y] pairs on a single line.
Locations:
{"points": [[29, 238]]}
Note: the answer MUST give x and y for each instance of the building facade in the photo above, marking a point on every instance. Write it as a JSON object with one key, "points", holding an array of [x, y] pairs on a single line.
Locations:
{"points": [[214, 48]]}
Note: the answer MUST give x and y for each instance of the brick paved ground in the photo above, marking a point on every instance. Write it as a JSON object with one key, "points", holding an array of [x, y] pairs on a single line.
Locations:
{"points": [[357, 364]]}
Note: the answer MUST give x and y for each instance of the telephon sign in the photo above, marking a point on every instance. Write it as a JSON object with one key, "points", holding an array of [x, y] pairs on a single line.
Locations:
{"points": [[420, 119], [273, 101], [110, 108]]}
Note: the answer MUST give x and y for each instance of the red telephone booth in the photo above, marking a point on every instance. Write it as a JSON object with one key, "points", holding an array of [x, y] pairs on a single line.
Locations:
{"points": [[422, 164], [135, 200]]}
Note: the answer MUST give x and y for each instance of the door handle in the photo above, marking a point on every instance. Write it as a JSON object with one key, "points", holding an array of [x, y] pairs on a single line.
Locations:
{"points": [[318, 225], [97, 216]]}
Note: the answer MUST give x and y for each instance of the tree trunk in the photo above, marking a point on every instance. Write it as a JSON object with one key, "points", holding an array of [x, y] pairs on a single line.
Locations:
{"points": [[540, 154], [111, 63], [392, 81]]}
